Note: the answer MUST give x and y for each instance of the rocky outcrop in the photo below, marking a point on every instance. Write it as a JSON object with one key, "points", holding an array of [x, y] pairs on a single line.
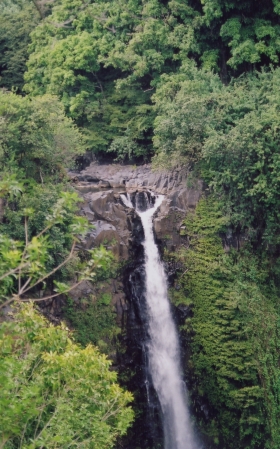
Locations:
{"points": [[112, 222], [109, 191], [101, 186], [131, 177], [118, 226]]}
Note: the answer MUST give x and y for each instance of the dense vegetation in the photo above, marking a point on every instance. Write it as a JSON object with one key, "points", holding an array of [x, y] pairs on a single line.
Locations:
{"points": [[234, 332], [54, 393], [106, 60], [192, 82], [57, 394]]}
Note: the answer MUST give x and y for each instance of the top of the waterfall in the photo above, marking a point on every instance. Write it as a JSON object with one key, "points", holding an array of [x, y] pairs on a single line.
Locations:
{"points": [[150, 211], [145, 202], [131, 179]]}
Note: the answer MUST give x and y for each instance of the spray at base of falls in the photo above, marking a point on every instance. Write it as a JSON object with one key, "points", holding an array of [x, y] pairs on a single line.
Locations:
{"points": [[163, 345]]}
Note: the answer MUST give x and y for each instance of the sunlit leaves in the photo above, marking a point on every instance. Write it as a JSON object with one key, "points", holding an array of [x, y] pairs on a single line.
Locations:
{"points": [[53, 391], [10, 186], [28, 262]]}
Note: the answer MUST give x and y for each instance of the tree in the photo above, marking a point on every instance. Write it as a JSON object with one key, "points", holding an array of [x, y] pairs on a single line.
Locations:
{"points": [[36, 139], [183, 102], [248, 32], [230, 136], [103, 60], [17, 20], [53, 392], [104, 57], [63, 395]]}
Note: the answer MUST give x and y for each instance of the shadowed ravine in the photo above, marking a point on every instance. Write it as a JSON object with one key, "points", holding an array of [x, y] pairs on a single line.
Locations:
{"points": [[163, 346]]}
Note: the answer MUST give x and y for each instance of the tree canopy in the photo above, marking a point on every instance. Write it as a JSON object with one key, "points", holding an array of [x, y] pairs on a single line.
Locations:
{"points": [[105, 59], [37, 139], [17, 20], [53, 392], [231, 135]]}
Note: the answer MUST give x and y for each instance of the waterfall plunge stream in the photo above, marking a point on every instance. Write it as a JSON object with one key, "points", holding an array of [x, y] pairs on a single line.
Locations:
{"points": [[163, 345]]}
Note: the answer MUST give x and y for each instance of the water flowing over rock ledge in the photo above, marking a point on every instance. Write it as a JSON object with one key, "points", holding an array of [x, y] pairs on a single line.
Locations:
{"points": [[101, 186]]}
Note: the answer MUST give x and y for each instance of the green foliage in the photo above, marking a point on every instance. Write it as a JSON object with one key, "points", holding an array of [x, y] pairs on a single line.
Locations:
{"points": [[10, 186], [183, 104], [94, 321], [74, 67], [104, 59], [245, 34], [234, 331], [36, 139], [31, 262], [232, 133], [241, 153], [16, 23], [133, 74], [26, 216], [53, 392]]}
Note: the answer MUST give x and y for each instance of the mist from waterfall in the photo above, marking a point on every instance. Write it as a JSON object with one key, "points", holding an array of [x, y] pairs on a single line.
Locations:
{"points": [[163, 345]]}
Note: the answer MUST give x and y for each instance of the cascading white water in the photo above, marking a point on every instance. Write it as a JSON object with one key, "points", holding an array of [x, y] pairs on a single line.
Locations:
{"points": [[163, 345], [126, 200]]}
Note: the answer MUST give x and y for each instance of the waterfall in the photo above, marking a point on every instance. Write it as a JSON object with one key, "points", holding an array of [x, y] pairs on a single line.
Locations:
{"points": [[126, 200], [163, 345]]}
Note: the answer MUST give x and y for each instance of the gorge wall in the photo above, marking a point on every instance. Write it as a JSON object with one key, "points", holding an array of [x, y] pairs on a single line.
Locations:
{"points": [[119, 228], [101, 185]]}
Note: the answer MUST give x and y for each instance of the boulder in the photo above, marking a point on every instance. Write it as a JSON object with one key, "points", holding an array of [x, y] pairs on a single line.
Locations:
{"points": [[167, 227], [111, 220]]}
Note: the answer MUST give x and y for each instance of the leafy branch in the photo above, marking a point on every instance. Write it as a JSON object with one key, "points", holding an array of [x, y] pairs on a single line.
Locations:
{"points": [[26, 263]]}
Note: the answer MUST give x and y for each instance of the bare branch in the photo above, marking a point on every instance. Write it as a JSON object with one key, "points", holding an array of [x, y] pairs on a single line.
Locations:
{"points": [[45, 298], [7, 303], [23, 290], [55, 269], [25, 285], [41, 6], [44, 230], [54, 295], [26, 230], [42, 180], [13, 271]]}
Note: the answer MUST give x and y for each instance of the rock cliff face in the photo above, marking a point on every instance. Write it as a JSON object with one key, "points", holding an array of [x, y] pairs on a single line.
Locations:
{"points": [[101, 187], [119, 228]]}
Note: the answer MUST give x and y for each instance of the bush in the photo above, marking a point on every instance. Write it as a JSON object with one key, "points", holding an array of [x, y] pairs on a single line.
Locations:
{"points": [[37, 141], [234, 333], [53, 392]]}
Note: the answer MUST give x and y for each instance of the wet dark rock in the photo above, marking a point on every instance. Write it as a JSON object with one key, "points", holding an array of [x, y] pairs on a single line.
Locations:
{"points": [[146, 431], [111, 220], [119, 228]]}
